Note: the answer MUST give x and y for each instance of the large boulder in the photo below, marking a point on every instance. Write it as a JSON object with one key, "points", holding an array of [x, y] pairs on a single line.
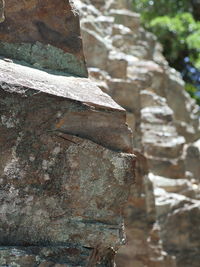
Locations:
{"points": [[66, 161], [35, 33], [63, 183]]}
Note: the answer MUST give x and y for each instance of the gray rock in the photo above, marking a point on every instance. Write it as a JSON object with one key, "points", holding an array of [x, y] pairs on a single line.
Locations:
{"points": [[64, 175]]}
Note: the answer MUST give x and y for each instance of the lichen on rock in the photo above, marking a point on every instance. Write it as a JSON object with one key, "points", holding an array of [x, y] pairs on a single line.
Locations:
{"points": [[66, 160]]}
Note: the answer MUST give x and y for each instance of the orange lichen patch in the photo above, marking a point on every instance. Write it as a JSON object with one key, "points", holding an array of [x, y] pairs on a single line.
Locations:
{"points": [[60, 123]]}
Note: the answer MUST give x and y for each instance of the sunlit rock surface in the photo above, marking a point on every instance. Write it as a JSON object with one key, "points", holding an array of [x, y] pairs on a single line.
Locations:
{"points": [[165, 122], [58, 186], [43, 33], [66, 156]]}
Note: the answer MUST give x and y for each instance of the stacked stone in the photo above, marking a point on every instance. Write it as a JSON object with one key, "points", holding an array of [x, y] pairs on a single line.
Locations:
{"points": [[127, 63]]}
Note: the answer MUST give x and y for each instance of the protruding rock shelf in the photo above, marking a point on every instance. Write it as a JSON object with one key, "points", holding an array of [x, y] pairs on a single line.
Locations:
{"points": [[95, 115], [66, 161]]}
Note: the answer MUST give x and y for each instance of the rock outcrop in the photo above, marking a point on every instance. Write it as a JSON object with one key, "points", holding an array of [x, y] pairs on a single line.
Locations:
{"points": [[66, 161], [66, 154], [126, 62], [45, 34], [2, 6]]}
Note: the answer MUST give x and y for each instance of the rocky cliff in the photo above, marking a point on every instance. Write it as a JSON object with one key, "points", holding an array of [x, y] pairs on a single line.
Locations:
{"points": [[126, 62], [66, 161]]}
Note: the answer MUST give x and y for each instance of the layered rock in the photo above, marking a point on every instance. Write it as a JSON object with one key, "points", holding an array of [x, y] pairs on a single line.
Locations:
{"points": [[143, 246], [2, 6], [165, 121], [66, 161], [45, 34]]}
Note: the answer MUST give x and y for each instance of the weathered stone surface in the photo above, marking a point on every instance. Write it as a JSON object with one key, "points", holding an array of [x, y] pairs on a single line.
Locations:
{"points": [[35, 33], [173, 168], [97, 55], [126, 18], [2, 6], [192, 159], [93, 125], [183, 241], [186, 112], [117, 66], [64, 176], [140, 221], [51, 256], [126, 93], [65, 162], [63, 145], [165, 123]]}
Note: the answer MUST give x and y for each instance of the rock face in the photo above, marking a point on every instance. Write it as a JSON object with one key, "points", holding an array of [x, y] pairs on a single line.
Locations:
{"points": [[66, 154], [2, 6], [43, 33], [66, 161], [144, 247], [165, 121]]}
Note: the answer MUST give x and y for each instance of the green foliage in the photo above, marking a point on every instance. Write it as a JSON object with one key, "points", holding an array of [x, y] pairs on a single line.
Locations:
{"points": [[179, 35], [192, 91], [155, 8], [176, 23]]}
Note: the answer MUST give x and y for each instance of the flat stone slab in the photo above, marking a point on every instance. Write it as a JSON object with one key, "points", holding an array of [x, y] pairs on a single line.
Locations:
{"points": [[78, 89], [100, 118]]}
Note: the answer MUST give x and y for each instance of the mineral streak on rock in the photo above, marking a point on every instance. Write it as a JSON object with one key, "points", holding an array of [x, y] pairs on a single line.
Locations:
{"points": [[44, 33]]}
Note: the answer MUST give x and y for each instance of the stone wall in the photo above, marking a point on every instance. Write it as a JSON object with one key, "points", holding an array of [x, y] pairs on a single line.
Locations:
{"points": [[66, 160], [126, 62]]}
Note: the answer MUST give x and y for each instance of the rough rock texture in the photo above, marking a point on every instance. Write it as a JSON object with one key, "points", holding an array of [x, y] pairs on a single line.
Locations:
{"points": [[43, 33], [2, 6], [141, 223], [165, 120], [66, 161]]}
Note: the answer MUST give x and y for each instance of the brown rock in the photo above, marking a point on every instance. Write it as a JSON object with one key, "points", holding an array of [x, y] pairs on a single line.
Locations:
{"points": [[2, 6], [192, 159], [126, 17], [143, 246], [162, 117], [63, 184], [95, 48], [117, 66], [35, 30], [178, 235]]}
